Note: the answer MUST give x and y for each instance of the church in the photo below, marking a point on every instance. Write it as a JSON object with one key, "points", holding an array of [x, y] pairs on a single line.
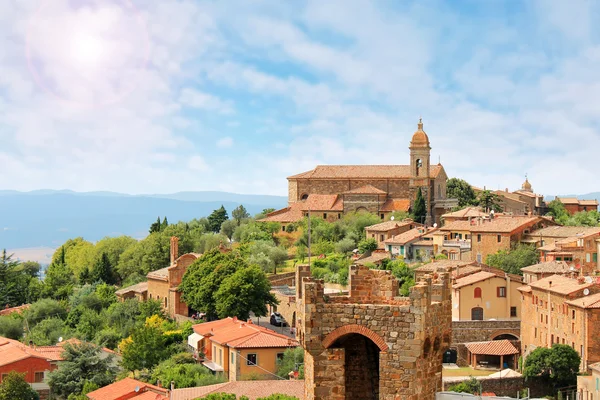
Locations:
{"points": [[330, 191]]}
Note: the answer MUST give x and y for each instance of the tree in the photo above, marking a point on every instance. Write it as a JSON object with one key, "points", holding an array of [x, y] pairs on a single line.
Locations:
{"points": [[164, 224], [247, 290], [155, 227], [512, 261], [293, 360], [11, 327], [239, 214], [42, 309], [59, 280], [469, 386], [82, 363], [557, 209], [345, 246], [184, 372], [145, 348], [216, 218], [102, 271], [489, 201], [11, 290], [367, 245], [459, 189], [558, 365], [228, 228], [14, 386], [47, 332], [420, 209], [31, 268]]}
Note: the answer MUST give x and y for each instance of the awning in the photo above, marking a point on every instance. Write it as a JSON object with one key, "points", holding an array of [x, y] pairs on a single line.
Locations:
{"points": [[193, 340], [212, 366]]}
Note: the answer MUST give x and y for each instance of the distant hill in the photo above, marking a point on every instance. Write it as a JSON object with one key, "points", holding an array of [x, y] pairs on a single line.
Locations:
{"points": [[48, 218]]}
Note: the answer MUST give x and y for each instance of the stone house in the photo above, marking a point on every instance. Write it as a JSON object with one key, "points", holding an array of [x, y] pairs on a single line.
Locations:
{"points": [[558, 309], [574, 205], [488, 294], [548, 268], [464, 214], [388, 229], [455, 268], [576, 244], [378, 189], [412, 244], [238, 349], [371, 343]]}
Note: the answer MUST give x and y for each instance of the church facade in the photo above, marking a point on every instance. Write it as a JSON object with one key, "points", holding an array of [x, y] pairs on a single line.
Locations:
{"points": [[330, 191]]}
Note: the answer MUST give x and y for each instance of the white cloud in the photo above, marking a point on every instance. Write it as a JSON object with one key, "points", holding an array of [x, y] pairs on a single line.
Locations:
{"points": [[197, 163], [196, 99], [225, 142]]}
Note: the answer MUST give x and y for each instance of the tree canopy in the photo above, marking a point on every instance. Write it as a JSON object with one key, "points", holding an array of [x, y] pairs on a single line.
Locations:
{"points": [[419, 209], [459, 189], [559, 365], [489, 201], [14, 386], [216, 219], [520, 256]]}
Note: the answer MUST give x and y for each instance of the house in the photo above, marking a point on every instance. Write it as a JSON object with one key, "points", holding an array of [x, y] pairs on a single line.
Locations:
{"points": [[558, 309], [405, 244], [490, 294], [251, 389], [240, 350], [378, 189], [464, 214], [10, 310], [576, 244], [129, 389], [522, 201], [498, 354], [15, 356], [588, 386], [455, 267], [574, 205], [162, 284], [388, 229], [548, 268]]}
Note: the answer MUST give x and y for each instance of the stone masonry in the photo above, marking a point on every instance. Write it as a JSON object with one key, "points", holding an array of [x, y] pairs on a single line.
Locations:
{"points": [[373, 344]]}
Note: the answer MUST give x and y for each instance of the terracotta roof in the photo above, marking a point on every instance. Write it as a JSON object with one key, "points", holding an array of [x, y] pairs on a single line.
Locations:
{"points": [[125, 387], [13, 350], [588, 203], [160, 274], [250, 389], [423, 243], [591, 301], [395, 205], [526, 289], [409, 236], [568, 200], [473, 278], [565, 231], [500, 224], [560, 284], [239, 334], [149, 396], [493, 348], [137, 288], [292, 213], [512, 196], [389, 225], [439, 265], [53, 353], [362, 172], [465, 213], [18, 309], [528, 194], [548, 267], [367, 189], [595, 366], [322, 202], [374, 258]]}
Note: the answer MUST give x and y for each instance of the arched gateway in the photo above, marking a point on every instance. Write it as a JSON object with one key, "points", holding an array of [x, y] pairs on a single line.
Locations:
{"points": [[373, 344]]}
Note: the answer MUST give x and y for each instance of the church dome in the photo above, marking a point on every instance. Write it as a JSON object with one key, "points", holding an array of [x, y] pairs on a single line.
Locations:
{"points": [[419, 138], [526, 186]]}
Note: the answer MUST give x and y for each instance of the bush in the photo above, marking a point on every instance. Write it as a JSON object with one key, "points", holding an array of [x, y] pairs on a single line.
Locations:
{"points": [[345, 246], [47, 332], [470, 386], [367, 245], [42, 309], [11, 327]]}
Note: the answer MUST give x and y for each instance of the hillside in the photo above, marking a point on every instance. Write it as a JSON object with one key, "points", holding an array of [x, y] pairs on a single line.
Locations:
{"points": [[48, 218]]}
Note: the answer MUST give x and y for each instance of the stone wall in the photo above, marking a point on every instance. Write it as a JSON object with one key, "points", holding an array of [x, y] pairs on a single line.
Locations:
{"points": [[482, 331], [285, 279], [505, 386], [373, 344]]}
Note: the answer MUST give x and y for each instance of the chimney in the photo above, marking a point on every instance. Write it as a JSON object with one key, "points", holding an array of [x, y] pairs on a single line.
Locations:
{"points": [[158, 383], [550, 284], [172, 385], [235, 319], [506, 190], [174, 249]]}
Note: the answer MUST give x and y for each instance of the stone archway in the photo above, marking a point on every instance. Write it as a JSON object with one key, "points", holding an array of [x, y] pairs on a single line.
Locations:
{"points": [[362, 348], [504, 334]]}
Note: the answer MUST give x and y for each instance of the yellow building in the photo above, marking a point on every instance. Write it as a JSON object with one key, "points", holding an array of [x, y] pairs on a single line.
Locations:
{"points": [[238, 349], [488, 294]]}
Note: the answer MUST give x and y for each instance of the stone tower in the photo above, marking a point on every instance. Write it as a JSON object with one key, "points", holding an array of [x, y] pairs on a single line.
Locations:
{"points": [[373, 344], [420, 153]]}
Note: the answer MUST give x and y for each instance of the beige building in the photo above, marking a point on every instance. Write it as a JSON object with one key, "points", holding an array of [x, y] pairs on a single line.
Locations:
{"points": [[488, 294], [548, 268], [388, 229], [588, 386]]}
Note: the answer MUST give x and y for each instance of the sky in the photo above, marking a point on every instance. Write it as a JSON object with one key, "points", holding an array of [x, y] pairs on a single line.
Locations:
{"points": [[162, 96]]}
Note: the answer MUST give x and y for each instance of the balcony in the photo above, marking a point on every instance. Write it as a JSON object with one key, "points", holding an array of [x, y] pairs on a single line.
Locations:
{"points": [[463, 244]]}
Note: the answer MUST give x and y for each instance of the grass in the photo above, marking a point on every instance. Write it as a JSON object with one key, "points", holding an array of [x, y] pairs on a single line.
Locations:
{"points": [[465, 371]]}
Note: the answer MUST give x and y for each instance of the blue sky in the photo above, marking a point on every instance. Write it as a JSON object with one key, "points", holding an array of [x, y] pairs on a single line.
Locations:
{"points": [[165, 96]]}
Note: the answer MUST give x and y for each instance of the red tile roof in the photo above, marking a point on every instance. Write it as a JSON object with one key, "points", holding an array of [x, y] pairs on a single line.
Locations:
{"points": [[374, 258], [322, 202], [493, 348], [565, 231], [137, 288], [124, 387], [466, 213], [292, 213], [555, 267], [18, 309], [362, 172], [560, 284], [591, 301], [149, 396], [501, 224], [239, 334], [250, 389], [12, 351], [389, 225], [409, 236], [395, 205], [473, 278], [367, 189]]}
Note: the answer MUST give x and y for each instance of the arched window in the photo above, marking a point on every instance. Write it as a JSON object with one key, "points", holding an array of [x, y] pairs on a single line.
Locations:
{"points": [[477, 314], [304, 196], [477, 293], [419, 164]]}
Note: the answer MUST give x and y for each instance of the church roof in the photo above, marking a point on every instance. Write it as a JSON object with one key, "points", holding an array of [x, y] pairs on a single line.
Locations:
{"points": [[367, 189], [420, 138], [322, 202], [396, 205], [362, 172]]}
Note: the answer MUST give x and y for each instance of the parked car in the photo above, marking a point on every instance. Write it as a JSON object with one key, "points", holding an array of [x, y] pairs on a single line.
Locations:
{"points": [[277, 319]]}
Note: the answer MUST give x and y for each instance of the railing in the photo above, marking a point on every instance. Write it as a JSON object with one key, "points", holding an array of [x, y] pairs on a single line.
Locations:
{"points": [[463, 244]]}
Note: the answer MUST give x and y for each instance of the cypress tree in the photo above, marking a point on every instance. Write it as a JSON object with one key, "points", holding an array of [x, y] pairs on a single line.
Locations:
{"points": [[420, 210]]}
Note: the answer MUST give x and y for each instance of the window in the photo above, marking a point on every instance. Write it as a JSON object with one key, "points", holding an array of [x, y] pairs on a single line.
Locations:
{"points": [[535, 333], [304, 196], [232, 357], [214, 353], [499, 238], [39, 377], [551, 339], [220, 356], [282, 228], [372, 235], [573, 327], [477, 314], [501, 291], [542, 318], [382, 216], [339, 215], [165, 301], [251, 359], [477, 293], [279, 359], [479, 258], [324, 215], [573, 313], [382, 237], [513, 311], [587, 257], [546, 319], [479, 237]]}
